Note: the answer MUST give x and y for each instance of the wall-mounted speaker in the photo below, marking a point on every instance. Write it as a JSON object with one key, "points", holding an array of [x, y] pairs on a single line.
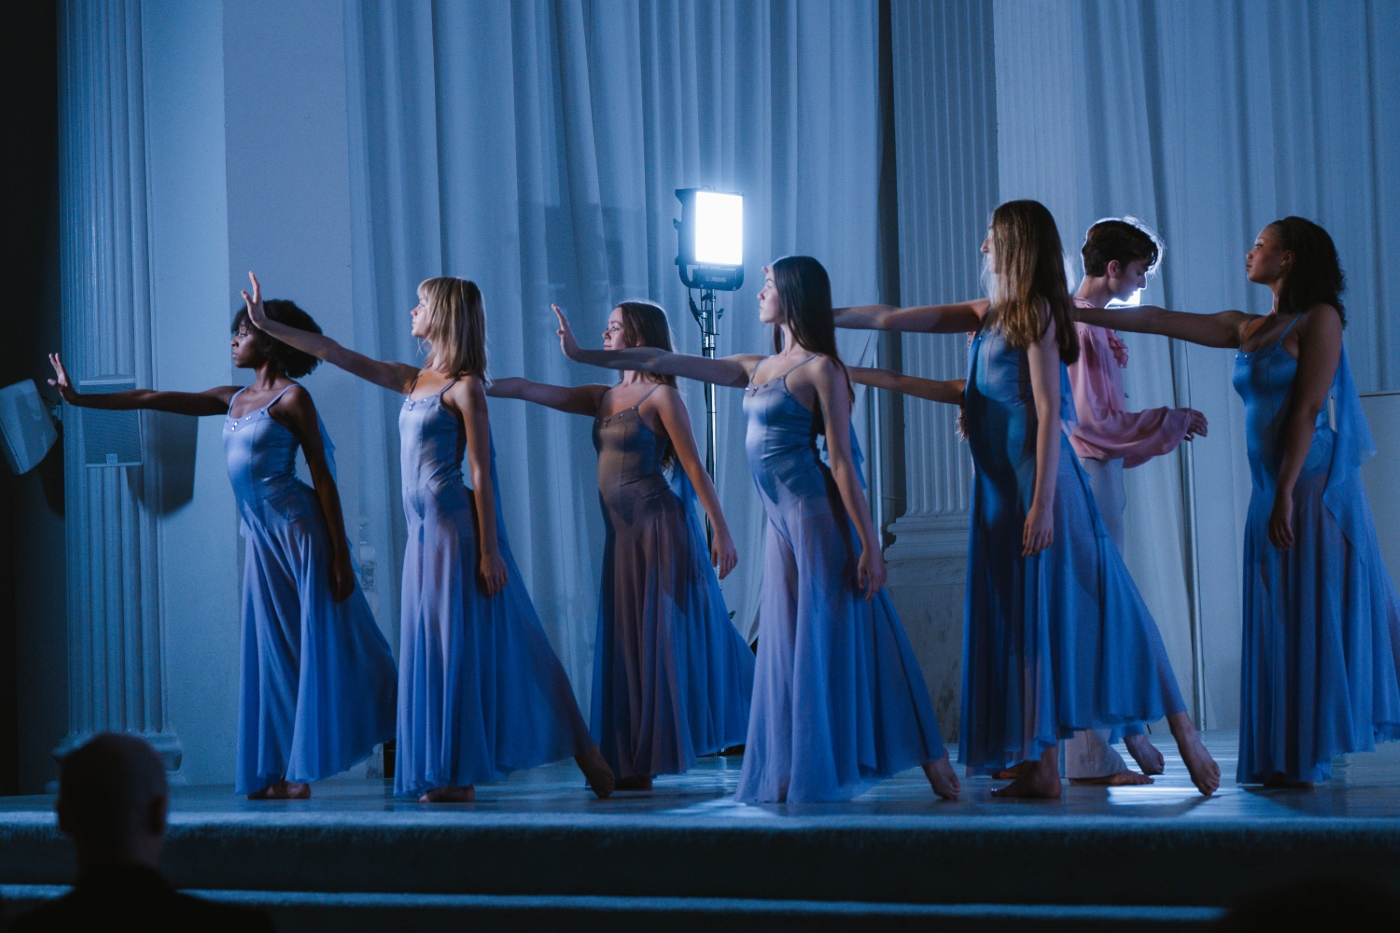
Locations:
{"points": [[110, 438], [25, 423]]}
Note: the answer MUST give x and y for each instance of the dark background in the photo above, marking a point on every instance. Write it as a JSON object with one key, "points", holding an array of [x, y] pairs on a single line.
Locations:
{"points": [[29, 227]]}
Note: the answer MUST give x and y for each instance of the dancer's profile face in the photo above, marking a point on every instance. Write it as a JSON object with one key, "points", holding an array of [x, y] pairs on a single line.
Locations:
{"points": [[1127, 280], [1268, 261], [419, 317], [245, 348], [614, 338], [770, 307], [988, 250]]}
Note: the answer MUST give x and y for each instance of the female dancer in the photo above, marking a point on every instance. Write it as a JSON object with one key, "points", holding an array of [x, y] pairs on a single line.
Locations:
{"points": [[1321, 616], [839, 700], [672, 677], [1119, 255], [316, 690], [481, 693], [1056, 637]]}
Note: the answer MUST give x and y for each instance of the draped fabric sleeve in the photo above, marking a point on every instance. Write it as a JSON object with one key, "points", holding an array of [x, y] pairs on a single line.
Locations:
{"points": [[1106, 430], [1345, 497]]}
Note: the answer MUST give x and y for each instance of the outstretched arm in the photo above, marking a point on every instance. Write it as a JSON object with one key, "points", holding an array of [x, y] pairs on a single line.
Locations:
{"points": [[297, 413], [392, 375], [213, 401], [1223, 329], [835, 400], [729, 371], [926, 319], [948, 391], [576, 400], [1319, 351], [676, 420]]}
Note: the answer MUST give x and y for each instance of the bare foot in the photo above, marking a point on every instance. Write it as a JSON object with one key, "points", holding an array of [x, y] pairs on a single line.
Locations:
{"points": [[1126, 776], [1041, 780], [1279, 780], [1013, 772], [595, 769], [1147, 756], [941, 776], [283, 790], [449, 794], [635, 782], [1205, 773]]}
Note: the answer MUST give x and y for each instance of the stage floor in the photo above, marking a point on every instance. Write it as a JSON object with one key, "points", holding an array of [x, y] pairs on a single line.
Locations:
{"points": [[541, 834]]}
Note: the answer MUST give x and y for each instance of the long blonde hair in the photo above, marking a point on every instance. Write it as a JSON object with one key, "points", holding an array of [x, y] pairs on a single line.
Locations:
{"points": [[456, 326], [1029, 273]]}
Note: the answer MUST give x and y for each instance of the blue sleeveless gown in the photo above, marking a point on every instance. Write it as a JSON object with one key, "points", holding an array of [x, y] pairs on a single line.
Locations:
{"points": [[839, 701], [316, 688], [481, 692], [1060, 641], [1321, 620], [672, 677]]}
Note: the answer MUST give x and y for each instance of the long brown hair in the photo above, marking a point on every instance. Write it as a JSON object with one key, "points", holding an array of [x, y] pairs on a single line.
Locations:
{"points": [[456, 325], [644, 324], [804, 291], [1026, 273]]}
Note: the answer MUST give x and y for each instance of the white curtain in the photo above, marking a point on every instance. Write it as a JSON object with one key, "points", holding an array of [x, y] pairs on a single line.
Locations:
{"points": [[534, 148], [1209, 120]]}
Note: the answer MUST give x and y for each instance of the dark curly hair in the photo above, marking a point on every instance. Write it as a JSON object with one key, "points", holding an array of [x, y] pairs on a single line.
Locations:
{"points": [[293, 362], [1316, 276]]}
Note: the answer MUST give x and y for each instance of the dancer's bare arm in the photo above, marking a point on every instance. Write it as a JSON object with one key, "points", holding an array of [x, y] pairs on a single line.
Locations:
{"points": [[213, 401], [575, 400], [948, 391], [835, 399], [297, 413], [1319, 352], [925, 319], [467, 397], [727, 371], [390, 374], [1044, 359], [676, 420], [1222, 329]]}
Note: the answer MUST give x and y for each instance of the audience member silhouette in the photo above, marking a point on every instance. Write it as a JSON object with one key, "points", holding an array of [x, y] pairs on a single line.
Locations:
{"points": [[112, 802]]}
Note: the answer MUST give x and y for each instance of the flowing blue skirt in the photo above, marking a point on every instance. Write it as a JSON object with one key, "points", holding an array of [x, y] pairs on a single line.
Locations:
{"points": [[481, 691], [317, 677], [1321, 632]]}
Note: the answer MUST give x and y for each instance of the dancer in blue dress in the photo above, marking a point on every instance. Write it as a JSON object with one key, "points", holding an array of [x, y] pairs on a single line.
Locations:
{"points": [[839, 701], [672, 677], [481, 692], [1056, 637], [316, 692], [1321, 616]]}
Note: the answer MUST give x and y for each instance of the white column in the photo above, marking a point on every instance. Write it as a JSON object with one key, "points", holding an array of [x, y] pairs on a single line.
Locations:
{"points": [[945, 139], [115, 658]]}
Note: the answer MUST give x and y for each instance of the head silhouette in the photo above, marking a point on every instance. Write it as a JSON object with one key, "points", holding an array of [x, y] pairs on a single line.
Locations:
{"points": [[112, 801]]}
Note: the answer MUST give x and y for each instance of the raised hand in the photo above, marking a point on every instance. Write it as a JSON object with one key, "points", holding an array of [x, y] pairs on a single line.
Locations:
{"points": [[567, 342], [61, 381], [256, 312]]}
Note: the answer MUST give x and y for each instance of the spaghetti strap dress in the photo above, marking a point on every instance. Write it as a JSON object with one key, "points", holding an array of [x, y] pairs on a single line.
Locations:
{"points": [[839, 701], [1321, 620], [1059, 641], [481, 692], [316, 687], [672, 677]]}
